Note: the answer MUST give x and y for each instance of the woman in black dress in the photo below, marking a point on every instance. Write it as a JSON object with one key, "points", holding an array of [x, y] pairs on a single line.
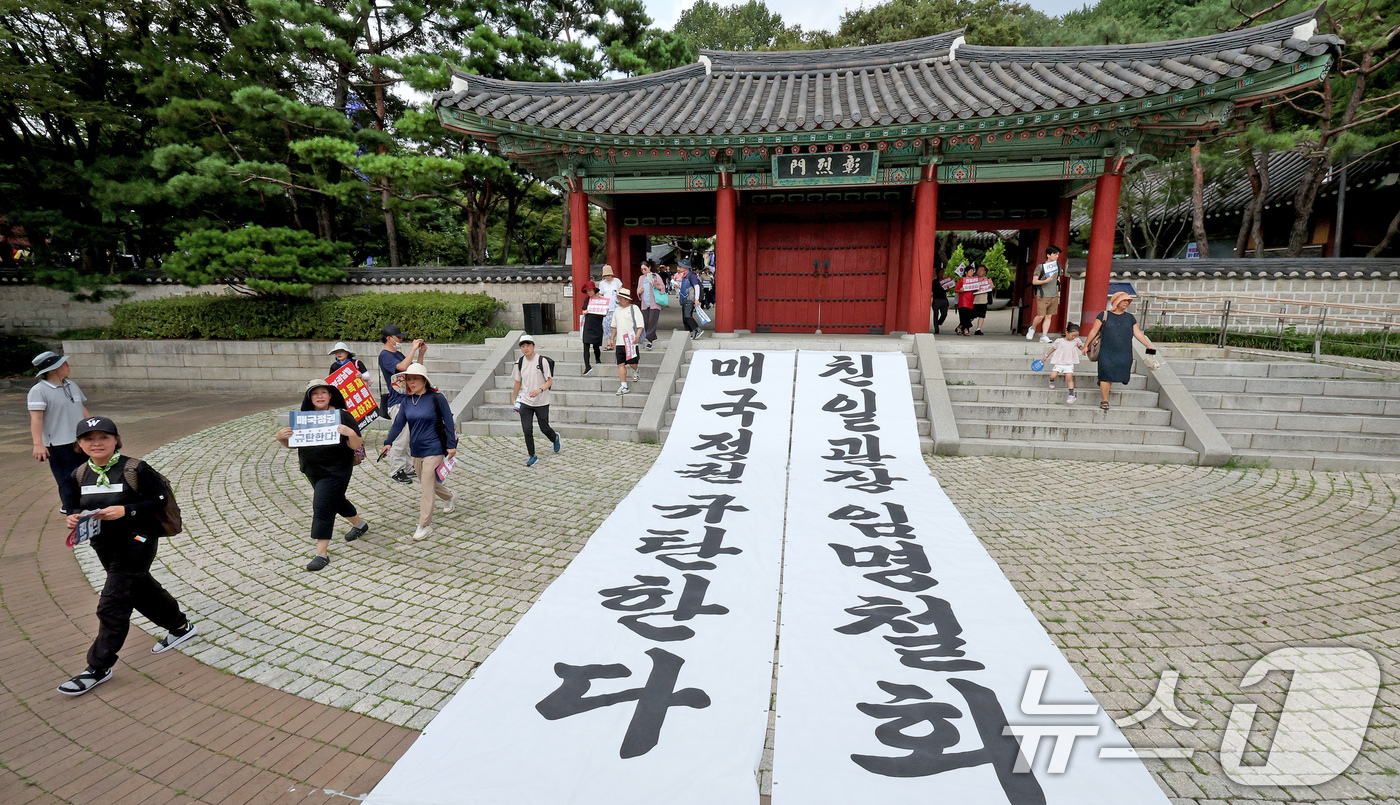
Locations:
{"points": [[1118, 329], [328, 468]]}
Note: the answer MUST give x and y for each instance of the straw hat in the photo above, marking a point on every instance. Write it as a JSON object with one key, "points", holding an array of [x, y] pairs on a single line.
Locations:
{"points": [[414, 369], [607, 270], [1121, 296]]}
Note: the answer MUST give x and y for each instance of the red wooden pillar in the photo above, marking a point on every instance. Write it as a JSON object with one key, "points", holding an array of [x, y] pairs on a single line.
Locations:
{"points": [[616, 258], [726, 251], [1101, 235], [578, 241], [1059, 236], [925, 250]]}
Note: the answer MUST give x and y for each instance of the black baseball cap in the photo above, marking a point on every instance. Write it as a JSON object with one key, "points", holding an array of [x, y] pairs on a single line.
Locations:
{"points": [[390, 329], [96, 423]]}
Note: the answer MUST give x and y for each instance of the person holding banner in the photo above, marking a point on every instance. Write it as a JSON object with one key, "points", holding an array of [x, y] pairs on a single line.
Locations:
{"points": [[432, 441], [125, 497], [392, 362], [595, 310], [980, 297], [628, 329], [342, 355], [535, 374], [1047, 293], [328, 468]]}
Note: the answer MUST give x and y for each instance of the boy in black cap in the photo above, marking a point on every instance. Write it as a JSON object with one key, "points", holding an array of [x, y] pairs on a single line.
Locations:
{"points": [[55, 407], [128, 499], [392, 362]]}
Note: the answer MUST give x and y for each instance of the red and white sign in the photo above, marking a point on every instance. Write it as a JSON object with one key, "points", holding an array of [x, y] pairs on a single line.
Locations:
{"points": [[359, 401]]}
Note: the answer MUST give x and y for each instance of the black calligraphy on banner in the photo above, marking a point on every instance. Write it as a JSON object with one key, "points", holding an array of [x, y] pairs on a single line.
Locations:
{"points": [[925, 730], [921, 629], [653, 699]]}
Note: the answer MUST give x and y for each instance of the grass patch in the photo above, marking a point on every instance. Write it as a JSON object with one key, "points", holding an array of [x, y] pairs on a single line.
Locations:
{"points": [[1241, 463]]}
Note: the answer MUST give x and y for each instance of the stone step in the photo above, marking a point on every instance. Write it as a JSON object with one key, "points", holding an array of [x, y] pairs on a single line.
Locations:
{"points": [[575, 399], [1310, 387], [612, 416], [1079, 451], [1010, 363], [1332, 423], [1085, 411], [568, 431], [600, 380], [1313, 442], [1279, 369], [1028, 379], [910, 357], [1059, 432], [608, 365], [1327, 462], [1284, 403], [1130, 398]]}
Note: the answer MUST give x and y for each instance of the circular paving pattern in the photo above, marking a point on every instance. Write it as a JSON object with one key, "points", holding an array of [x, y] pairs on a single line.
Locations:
{"points": [[1133, 570]]}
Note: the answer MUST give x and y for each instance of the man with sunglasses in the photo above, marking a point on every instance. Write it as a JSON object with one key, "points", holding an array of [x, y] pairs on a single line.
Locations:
{"points": [[55, 406]]}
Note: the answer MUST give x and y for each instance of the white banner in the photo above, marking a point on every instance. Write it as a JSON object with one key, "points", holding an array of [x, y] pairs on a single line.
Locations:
{"points": [[905, 651], [642, 674]]}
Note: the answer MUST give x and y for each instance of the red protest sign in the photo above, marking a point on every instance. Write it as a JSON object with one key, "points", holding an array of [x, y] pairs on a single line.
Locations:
{"points": [[359, 401]]}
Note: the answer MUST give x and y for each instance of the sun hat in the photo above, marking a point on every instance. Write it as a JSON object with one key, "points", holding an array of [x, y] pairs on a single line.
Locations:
{"points": [[588, 287], [318, 382], [341, 346], [414, 369], [47, 362], [624, 294], [96, 423], [1118, 297], [607, 270]]}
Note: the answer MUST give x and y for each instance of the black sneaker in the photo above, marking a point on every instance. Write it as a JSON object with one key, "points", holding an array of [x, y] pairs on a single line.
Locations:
{"points": [[318, 562], [588, 371], [979, 332], [84, 682], [357, 531], [175, 638], [402, 477]]}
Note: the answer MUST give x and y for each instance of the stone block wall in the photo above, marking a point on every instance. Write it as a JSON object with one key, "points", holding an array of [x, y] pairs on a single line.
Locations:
{"points": [[274, 367]]}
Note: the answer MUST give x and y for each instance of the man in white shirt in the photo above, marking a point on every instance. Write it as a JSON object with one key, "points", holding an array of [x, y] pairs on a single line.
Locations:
{"points": [[628, 330], [534, 376], [55, 406]]}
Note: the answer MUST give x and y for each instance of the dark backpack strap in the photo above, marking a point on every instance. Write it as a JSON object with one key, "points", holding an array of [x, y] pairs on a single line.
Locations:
{"points": [[129, 472]]}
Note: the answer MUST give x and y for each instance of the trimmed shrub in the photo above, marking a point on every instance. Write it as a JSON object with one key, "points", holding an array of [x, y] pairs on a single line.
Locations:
{"points": [[434, 315], [16, 354]]}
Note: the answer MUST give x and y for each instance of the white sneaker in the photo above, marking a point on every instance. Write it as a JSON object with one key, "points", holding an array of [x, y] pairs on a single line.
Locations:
{"points": [[636, 374], [622, 389], [422, 532], [450, 506], [1045, 339], [1030, 333]]}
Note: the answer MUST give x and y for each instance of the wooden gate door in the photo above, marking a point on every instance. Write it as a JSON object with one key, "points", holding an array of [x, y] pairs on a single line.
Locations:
{"points": [[822, 276]]}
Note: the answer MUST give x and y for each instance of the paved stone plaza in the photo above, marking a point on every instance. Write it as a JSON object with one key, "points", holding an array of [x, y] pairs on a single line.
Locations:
{"points": [[1148, 568]]}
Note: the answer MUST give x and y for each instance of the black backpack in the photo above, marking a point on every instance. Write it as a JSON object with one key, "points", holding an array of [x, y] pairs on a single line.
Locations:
{"points": [[520, 364], [168, 516]]}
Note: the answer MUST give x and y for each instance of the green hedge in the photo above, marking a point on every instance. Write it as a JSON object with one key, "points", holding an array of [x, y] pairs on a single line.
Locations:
{"points": [[434, 315], [17, 353]]}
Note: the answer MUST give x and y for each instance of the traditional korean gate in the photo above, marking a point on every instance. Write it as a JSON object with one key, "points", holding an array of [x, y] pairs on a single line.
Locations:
{"points": [[822, 276]]}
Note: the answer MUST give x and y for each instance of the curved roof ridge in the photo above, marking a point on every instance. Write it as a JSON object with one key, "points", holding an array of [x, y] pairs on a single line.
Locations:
{"points": [[1271, 32], [481, 83], [832, 58]]}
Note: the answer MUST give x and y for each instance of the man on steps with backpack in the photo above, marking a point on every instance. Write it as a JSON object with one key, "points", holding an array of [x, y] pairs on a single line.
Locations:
{"points": [[535, 374], [128, 507]]}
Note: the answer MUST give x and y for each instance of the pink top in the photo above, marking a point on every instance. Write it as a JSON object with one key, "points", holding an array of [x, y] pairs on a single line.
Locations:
{"points": [[644, 290], [1065, 353]]}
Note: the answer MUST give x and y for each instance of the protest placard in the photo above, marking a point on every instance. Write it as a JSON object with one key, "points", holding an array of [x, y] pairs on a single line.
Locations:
{"points": [[359, 401], [87, 528], [315, 428]]}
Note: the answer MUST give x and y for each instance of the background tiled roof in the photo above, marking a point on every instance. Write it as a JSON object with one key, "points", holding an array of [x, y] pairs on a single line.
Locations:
{"points": [[921, 80]]}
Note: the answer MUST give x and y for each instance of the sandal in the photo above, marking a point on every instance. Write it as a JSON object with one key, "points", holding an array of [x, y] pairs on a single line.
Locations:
{"points": [[1104, 406], [84, 682]]}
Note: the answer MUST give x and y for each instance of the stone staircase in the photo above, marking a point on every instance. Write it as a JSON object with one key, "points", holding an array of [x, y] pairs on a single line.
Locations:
{"points": [[451, 365], [580, 407], [1295, 414], [1003, 408], [813, 343]]}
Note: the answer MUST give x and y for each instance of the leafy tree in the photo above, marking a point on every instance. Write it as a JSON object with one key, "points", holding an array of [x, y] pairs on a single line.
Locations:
{"points": [[957, 259], [988, 22], [270, 262], [743, 26], [998, 267]]}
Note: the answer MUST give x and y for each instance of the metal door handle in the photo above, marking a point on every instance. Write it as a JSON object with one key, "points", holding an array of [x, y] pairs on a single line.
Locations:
{"points": [[816, 268]]}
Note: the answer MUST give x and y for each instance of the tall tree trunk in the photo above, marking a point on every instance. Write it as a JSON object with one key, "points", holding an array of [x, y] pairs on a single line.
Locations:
{"points": [[325, 221], [1313, 176], [1390, 232], [1198, 201], [512, 205], [1257, 212], [1256, 188]]}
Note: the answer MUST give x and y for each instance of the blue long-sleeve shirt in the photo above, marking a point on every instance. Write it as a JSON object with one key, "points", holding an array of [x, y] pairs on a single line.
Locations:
{"points": [[417, 412]]}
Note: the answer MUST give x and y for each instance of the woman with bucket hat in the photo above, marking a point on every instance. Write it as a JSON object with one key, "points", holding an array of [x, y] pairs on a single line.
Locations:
{"points": [[328, 468], [1117, 329], [432, 438], [127, 499], [55, 408], [342, 355]]}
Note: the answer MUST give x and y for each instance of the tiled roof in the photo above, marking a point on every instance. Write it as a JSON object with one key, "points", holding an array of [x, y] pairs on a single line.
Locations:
{"points": [[1277, 268], [921, 80]]}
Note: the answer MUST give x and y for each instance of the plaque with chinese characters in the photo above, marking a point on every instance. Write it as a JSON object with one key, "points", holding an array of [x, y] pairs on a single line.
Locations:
{"points": [[799, 170]]}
